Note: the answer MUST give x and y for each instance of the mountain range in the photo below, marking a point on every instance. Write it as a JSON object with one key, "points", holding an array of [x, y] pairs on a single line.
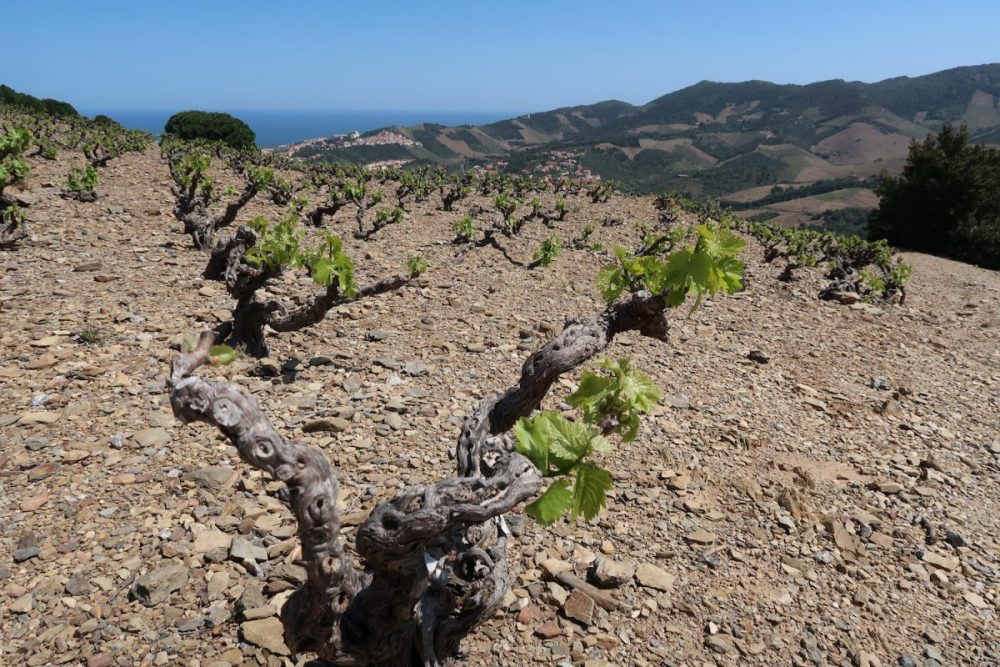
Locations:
{"points": [[748, 143]]}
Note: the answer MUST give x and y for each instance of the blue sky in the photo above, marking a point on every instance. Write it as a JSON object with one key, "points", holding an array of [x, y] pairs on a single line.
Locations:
{"points": [[474, 55]]}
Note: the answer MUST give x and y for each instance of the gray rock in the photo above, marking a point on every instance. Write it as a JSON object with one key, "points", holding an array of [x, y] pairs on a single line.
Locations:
{"points": [[77, 585], [267, 633], [213, 478], [28, 541], [23, 604], [395, 404], [677, 402], [218, 616], [27, 553], [211, 539], [155, 587], [811, 650], [610, 573], [415, 368], [252, 598], [654, 577], [515, 522], [151, 437], [823, 557], [189, 624], [721, 643], [245, 551]]}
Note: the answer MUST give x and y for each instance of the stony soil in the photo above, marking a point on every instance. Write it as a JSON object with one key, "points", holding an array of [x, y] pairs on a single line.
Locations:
{"points": [[833, 506]]}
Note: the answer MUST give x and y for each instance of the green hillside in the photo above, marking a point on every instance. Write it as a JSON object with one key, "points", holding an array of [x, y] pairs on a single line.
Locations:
{"points": [[720, 139]]}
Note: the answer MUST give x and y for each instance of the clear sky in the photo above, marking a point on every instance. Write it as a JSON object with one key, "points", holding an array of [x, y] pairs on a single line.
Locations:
{"points": [[471, 55]]}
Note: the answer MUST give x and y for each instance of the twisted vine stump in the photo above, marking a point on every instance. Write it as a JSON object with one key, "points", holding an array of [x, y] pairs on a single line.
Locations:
{"points": [[243, 279], [435, 564], [13, 228], [192, 206]]}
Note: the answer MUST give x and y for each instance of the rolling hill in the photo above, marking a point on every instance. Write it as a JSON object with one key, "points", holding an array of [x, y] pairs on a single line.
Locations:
{"points": [[735, 141]]}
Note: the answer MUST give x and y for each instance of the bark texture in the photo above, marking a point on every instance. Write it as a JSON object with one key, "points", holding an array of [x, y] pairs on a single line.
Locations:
{"points": [[435, 556]]}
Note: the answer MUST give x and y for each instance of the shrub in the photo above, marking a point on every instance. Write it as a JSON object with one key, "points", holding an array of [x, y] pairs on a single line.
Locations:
{"points": [[946, 201], [210, 125]]}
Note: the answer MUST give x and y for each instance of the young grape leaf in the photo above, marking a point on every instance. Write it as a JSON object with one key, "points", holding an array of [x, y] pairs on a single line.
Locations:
{"points": [[610, 283], [568, 442], [322, 271], [552, 504], [532, 442], [590, 491], [222, 355], [625, 396]]}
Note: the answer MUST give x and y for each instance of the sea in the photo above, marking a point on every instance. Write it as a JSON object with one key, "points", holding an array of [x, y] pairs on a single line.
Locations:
{"points": [[275, 128]]}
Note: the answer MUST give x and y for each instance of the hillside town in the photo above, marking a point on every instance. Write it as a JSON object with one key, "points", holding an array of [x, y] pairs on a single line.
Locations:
{"points": [[346, 140], [566, 164]]}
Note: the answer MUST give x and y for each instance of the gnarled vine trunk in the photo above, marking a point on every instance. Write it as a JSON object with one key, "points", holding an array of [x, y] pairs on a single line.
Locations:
{"points": [[13, 228], [243, 278], [434, 556]]}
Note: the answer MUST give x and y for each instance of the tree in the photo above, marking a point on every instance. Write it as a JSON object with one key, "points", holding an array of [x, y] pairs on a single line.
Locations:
{"points": [[53, 107], [946, 202], [210, 125]]}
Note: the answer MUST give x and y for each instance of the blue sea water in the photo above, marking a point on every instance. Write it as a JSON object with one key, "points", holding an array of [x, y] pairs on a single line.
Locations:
{"points": [[274, 128]]}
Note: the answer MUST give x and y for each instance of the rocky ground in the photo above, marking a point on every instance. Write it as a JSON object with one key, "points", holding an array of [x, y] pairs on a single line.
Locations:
{"points": [[829, 501]]}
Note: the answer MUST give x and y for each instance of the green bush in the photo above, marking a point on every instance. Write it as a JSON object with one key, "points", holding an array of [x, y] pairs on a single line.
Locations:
{"points": [[946, 202], [55, 107], [210, 125]]}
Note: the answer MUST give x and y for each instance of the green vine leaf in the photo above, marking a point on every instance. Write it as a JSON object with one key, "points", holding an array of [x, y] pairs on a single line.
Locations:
{"points": [[551, 505], [531, 442], [222, 355], [590, 491], [610, 283], [624, 396]]}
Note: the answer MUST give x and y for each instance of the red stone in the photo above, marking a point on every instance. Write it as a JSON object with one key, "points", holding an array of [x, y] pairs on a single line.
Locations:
{"points": [[33, 503], [548, 630], [100, 660], [528, 614]]}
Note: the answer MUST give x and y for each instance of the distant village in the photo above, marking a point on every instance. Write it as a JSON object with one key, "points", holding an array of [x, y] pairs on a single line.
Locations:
{"points": [[565, 164], [556, 165], [348, 140], [383, 138]]}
